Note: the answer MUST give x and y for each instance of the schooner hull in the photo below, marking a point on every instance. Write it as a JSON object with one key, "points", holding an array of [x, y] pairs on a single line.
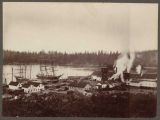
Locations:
{"points": [[48, 77]]}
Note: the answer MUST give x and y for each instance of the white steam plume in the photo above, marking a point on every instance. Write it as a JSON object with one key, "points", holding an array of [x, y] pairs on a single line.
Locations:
{"points": [[124, 62], [139, 69]]}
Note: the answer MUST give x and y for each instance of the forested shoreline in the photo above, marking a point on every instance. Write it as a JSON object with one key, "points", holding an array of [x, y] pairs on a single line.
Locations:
{"points": [[100, 58]]}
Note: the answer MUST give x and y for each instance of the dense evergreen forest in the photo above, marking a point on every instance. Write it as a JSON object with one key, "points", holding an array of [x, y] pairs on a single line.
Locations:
{"points": [[100, 58]]}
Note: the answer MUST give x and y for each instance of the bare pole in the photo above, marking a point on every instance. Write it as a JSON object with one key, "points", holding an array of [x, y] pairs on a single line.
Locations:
{"points": [[20, 71], [53, 70], [46, 70], [52, 65], [5, 82], [30, 71], [40, 68], [12, 73], [25, 70]]}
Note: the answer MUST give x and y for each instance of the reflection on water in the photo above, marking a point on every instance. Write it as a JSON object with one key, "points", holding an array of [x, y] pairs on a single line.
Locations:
{"points": [[35, 69]]}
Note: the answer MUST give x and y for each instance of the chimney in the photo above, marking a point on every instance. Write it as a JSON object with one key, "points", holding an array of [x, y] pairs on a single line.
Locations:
{"points": [[104, 72], [126, 76]]}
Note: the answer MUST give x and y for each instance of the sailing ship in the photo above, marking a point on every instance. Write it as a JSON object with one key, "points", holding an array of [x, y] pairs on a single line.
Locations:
{"points": [[48, 73], [21, 74]]}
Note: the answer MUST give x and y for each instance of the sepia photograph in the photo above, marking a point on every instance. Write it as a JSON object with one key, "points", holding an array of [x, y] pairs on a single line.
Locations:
{"points": [[77, 59]]}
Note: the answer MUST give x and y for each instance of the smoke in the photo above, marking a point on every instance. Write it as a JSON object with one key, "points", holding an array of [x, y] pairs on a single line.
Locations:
{"points": [[124, 62], [131, 58], [139, 69]]}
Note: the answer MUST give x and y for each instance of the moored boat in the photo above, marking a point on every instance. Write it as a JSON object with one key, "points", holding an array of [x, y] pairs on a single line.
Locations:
{"points": [[48, 73]]}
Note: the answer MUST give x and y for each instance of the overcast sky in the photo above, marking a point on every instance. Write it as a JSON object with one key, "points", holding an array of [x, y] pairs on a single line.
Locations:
{"points": [[79, 27]]}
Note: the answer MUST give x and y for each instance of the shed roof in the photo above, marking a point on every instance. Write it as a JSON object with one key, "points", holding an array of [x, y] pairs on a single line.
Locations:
{"points": [[80, 84], [35, 84], [26, 85], [144, 76], [13, 83]]}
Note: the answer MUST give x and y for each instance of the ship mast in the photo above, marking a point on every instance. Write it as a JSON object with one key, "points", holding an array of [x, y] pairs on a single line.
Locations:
{"points": [[47, 69]]}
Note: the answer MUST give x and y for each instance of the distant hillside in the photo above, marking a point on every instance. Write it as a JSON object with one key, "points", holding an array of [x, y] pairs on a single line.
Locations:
{"points": [[146, 58]]}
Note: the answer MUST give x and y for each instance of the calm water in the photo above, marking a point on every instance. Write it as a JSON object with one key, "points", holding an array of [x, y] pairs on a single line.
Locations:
{"points": [[35, 69]]}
